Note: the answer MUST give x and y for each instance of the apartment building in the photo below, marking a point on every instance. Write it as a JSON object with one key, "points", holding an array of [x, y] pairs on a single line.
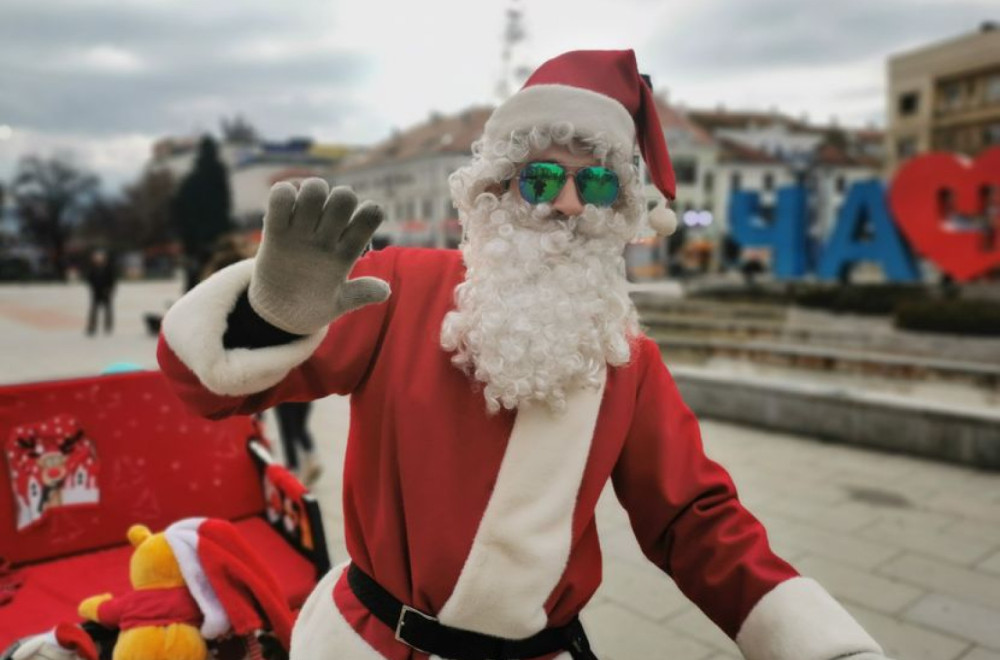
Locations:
{"points": [[944, 97]]}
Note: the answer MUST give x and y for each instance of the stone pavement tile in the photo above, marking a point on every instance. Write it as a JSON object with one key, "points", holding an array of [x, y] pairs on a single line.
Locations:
{"points": [[935, 575], [811, 488], [617, 634], [975, 529], [916, 518], [963, 550], [905, 641], [847, 517], [851, 482], [878, 467], [610, 514], [621, 544], [857, 586], [991, 564], [642, 589], [851, 550], [958, 618], [980, 653], [975, 508], [693, 623]]}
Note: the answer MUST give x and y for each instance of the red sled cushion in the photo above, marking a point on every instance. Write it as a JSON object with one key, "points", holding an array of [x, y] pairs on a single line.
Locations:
{"points": [[82, 460]]}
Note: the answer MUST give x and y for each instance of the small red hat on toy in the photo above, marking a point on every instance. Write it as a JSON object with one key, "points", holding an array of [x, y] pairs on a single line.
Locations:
{"points": [[64, 642], [235, 590], [597, 92]]}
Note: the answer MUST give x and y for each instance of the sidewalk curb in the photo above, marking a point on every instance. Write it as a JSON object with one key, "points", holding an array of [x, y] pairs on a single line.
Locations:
{"points": [[967, 436]]}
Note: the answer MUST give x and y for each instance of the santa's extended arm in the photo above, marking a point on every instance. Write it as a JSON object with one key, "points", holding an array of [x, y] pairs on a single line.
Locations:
{"points": [[687, 518], [298, 284]]}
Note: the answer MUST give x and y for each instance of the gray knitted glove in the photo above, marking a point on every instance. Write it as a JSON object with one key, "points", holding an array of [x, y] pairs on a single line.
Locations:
{"points": [[311, 241]]}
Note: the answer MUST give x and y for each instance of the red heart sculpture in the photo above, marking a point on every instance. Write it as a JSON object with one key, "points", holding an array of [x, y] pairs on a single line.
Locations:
{"points": [[914, 197]]}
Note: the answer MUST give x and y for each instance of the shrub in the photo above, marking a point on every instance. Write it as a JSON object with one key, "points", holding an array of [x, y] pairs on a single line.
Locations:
{"points": [[962, 317], [873, 299]]}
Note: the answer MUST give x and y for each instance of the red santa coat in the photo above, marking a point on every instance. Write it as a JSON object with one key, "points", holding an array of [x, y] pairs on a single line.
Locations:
{"points": [[487, 521]]}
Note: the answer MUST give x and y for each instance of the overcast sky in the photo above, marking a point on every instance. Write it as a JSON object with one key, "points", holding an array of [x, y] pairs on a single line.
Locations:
{"points": [[104, 78]]}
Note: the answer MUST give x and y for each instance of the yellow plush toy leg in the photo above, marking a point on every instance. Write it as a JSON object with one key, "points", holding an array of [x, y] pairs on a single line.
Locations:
{"points": [[177, 641], [183, 642]]}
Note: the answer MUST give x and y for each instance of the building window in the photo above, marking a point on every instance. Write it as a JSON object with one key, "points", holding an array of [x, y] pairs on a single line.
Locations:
{"points": [[991, 134], [428, 209], [841, 184], [768, 181], [906, 147], [993, 88], [952, 93], [686, 171], [450, 210], [709, 182], [400, 212], [944, 140], [735, 180], [909, 103]]}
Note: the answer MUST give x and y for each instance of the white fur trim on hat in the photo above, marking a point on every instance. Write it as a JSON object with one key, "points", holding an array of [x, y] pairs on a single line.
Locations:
{"points": [[799, 620], [590, 113], [182, 537], [194, 326]]}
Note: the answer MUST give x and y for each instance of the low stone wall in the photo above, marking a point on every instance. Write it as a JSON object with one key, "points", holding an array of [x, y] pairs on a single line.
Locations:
{"points": [[892, 423]]}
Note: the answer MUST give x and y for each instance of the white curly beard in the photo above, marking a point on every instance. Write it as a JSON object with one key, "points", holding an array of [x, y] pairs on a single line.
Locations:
{"points": [[544, 306]]}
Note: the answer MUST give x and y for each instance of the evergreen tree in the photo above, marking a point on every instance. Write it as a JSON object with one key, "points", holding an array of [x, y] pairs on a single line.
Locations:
{"points": [[201, 209]]}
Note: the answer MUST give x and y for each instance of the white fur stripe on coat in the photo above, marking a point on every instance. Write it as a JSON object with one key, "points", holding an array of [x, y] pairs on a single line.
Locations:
{"points": [[195, 324], [522, 545], [799, 620], [322, 633]]}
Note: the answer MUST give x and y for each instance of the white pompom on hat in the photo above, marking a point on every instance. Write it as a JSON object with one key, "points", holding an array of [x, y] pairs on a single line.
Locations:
{"points": [[598, 92]]}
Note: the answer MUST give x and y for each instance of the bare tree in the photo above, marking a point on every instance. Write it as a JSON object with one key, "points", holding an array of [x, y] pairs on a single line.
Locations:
{"points": [[50, 194], [140, 218]]}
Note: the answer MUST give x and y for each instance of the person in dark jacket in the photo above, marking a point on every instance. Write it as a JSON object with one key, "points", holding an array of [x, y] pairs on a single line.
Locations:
{"points": [[101, 276]]}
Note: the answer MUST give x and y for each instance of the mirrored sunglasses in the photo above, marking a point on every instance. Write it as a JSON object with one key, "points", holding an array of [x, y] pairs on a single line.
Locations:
{"points": [[541, 182]]}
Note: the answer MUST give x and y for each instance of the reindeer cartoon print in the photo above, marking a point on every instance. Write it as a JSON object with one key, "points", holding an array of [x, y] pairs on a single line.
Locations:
{"points": [[52, 464]]}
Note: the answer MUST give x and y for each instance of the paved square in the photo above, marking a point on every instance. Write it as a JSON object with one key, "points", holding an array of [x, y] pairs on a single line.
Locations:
{"points": [[911, 547]]}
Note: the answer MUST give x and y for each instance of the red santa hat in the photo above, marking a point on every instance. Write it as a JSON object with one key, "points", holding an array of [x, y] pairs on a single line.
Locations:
{"points": [[234, 588], [65, 641], [599, 92]]}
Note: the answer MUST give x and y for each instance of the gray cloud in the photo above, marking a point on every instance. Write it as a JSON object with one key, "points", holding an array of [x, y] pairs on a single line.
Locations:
{"points": [[730, 37], [196, 65]]}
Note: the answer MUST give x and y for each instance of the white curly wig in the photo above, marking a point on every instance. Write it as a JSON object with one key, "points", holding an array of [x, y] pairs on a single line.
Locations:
{"points": [[544, 307]]}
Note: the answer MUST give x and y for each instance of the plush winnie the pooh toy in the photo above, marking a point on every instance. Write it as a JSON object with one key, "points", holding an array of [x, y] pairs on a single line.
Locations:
{"points": [[197, 580], [159, 619]]}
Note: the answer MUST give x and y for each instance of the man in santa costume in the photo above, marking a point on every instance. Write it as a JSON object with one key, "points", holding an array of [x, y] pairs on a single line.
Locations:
{"points": [[494, 392]]}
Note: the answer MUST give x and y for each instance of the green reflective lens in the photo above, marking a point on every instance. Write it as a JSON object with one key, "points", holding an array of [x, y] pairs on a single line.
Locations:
{"points": [[540, 183], [597, 186]]}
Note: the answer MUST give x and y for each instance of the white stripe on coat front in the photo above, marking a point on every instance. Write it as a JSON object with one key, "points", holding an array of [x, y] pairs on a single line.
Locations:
{"points": [[523, 542], [322, 633]]}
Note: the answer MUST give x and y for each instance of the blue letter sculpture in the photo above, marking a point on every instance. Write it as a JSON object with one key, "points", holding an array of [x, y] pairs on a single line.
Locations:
{"points": [[866, 201]]}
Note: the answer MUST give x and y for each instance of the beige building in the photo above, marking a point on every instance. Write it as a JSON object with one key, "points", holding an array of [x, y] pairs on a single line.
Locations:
{"points": [[407, 175], [945, 97]]}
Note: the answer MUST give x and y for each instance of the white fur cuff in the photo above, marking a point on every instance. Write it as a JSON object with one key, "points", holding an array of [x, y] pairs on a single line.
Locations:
{"points": [[195, 324], [799, 620]]}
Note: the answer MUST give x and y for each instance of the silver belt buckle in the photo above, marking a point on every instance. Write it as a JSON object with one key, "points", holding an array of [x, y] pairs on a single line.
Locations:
{"points": [[402, 621]]}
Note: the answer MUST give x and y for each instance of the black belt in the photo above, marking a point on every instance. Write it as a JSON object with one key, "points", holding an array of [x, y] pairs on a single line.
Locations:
{"points": [[428, 635]]}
